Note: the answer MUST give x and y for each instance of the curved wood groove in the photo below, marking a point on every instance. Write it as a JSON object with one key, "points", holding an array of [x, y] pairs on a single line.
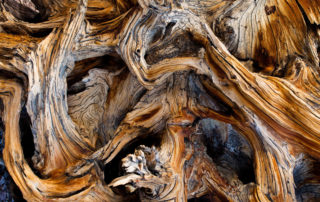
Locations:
{"points": [[162, 100]]}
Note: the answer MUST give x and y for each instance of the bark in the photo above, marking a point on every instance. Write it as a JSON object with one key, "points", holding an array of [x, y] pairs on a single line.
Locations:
{"points": [[158, 100]]}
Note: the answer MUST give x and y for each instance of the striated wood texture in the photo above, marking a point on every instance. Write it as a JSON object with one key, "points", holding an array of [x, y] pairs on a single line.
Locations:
{"points": [[161, 100]]}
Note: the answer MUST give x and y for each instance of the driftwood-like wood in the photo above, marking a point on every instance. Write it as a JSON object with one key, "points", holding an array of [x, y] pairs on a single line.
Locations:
{"points": [[161, 100]]}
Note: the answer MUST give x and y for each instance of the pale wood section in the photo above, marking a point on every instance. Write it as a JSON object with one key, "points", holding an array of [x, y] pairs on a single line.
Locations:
{"points": [[164, 100]]}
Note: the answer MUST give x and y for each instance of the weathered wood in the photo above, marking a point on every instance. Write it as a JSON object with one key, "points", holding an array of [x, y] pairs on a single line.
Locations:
{"points": [[161, 100]]}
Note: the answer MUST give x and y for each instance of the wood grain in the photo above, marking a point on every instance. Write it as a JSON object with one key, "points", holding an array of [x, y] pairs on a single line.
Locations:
{"points": [[156, 100]]}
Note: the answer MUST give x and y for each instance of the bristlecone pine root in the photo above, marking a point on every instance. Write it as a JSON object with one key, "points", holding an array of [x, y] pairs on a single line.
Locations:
{"points": [[161, 100]]}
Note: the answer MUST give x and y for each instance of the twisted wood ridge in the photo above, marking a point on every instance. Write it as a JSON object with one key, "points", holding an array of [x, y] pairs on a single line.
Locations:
{"points": [[162, 100]]}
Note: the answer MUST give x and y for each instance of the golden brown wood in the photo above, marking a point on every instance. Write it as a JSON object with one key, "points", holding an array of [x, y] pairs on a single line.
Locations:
{"points": [[158, 100]]}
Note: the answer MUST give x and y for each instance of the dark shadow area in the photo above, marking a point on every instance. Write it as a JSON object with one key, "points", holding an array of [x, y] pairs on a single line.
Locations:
{"points": [[27, 141], [29, 11], [306, 176], [42, 33], [18, 30], [82, 67], [182, 45], [228, 149], [208, 198]]}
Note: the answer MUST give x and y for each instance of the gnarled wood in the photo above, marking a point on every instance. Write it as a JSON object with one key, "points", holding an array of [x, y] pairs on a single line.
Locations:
{"points": [[161, 100]]}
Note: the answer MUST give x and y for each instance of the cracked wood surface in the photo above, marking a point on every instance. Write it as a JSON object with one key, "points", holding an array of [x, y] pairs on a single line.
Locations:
{"points": [[161, 100]]}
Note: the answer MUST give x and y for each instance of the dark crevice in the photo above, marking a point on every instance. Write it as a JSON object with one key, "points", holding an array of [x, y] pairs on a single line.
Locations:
{"points": [[29, 11], [305, 16], [178, 46], [306, 178], [27, 142], [81, 68], [168, 29], [44, 12], [42, 33], [9, 75], [206, 98], [77, 88], [157, 34], [212, 197], [226, 34], [256, 67], [18, 30], [21, 11], [231, 152]]}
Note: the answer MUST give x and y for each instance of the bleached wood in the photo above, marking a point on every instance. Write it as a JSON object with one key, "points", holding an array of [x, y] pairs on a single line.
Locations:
{"points": [[162, 100]]}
